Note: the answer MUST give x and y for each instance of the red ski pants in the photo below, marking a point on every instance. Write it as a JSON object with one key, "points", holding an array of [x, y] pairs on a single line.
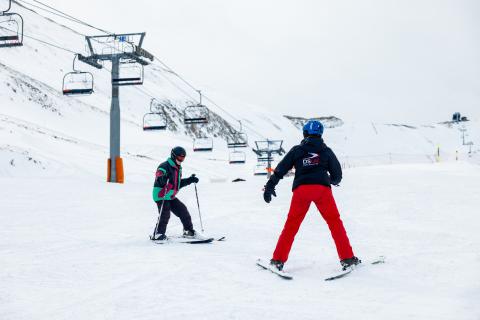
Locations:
{"points": [[322, 196]]}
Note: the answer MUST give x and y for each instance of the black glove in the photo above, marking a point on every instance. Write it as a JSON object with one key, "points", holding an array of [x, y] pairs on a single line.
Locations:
{"points": [[267, 194], [193, 179]]}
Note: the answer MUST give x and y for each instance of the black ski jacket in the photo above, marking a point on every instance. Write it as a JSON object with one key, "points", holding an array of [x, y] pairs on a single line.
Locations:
{"points": [[314, 163]]}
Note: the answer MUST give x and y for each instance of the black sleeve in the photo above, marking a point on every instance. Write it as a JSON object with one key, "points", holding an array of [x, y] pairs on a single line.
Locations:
{"points": [[185, 182], [334, 168], [282, 168]]}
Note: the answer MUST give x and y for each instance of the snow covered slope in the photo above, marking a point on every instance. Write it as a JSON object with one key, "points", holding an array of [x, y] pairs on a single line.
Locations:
{"points": [[79, 249]]}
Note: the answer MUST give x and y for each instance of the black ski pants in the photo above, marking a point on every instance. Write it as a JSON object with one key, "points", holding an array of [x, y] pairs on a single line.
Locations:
{"points": [[178, 209]]}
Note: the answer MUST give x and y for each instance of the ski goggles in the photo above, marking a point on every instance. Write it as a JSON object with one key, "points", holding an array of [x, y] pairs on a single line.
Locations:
{"points": [[180, 158]]}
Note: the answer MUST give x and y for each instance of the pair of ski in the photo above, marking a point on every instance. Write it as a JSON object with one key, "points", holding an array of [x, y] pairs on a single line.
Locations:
{"points": [[180, 239], [265, 264]]}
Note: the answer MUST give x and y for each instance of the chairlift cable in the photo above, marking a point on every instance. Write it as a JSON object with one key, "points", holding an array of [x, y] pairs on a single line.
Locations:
{"points": [[49, 11], [72, 17], [170, 70], [42, 41]]}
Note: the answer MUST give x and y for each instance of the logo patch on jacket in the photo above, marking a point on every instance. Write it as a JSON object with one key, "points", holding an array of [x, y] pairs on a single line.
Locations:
{"points": [[312, 160]]}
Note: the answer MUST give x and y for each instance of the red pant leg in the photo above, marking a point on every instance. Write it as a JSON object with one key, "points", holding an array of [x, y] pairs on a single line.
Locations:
{"points": [[298, 209], [326, 205]]}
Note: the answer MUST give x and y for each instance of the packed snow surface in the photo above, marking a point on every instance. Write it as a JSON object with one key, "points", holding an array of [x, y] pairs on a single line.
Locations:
{"points": [[79, 249]]}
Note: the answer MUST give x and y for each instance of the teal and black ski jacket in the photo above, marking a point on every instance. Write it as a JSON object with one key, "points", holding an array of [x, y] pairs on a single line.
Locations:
{"points": [[171, 172]]}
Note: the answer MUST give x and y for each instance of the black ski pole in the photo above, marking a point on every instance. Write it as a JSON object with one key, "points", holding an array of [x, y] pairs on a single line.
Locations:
{"points": [[152, 237], [198, 205]]}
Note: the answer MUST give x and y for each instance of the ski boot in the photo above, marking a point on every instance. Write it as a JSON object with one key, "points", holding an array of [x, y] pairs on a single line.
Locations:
{"points": [[346, 263], [190, 234], [277, 264], [159, 236]]}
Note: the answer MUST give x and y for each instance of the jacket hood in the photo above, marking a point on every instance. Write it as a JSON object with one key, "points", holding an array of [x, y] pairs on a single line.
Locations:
{"points": [[313, 143]]}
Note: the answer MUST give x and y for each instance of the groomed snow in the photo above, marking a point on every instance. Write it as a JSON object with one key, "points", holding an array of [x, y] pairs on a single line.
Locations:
{"points": [[79, 249]]}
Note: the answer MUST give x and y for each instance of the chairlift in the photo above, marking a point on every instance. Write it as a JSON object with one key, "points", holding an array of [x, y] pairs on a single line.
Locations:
{"points": [[269, 146], [130, 74], [239, 140], [77, 82], [203, 144], [5, 8], [196, 114], [11, 30], [154, 121], [264, 158], [237, 157], [260, 170], [157, 118]]}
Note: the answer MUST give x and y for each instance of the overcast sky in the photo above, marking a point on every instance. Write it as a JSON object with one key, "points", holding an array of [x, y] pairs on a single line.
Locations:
{"points": [[382, 59]]}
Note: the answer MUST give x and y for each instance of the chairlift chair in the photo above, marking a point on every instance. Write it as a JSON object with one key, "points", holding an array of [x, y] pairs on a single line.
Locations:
{"points": [[264, 158], [196, 114], [273, 146], [203, 144], [157, 118], [239, 140], [154, 121], [260, 170], [77, 82], [130, 74], [5, 8], [11, 30], [237, 157]]}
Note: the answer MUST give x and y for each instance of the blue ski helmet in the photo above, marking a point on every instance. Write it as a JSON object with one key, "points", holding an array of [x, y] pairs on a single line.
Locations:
{"points": [[313, 128]]}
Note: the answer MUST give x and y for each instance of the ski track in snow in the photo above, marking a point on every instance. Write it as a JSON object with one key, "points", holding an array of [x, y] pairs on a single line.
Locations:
{"points": [[79, 249]]}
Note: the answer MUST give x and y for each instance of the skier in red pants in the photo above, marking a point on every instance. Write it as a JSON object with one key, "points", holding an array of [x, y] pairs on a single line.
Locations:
{"points": [[316, 168]]}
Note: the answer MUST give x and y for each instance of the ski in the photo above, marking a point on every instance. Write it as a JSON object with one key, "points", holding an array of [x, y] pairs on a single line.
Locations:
{"points": [[349, 270], [183, 240], [267, 266]]}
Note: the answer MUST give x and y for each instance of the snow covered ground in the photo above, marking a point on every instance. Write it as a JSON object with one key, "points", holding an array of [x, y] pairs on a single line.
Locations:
{"points": [[79, 249]]}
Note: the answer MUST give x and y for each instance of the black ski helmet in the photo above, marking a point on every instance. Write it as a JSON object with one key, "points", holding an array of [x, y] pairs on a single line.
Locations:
{"points": [[178, 152]]}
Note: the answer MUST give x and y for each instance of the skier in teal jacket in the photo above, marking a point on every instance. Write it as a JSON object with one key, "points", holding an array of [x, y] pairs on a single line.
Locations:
{"points": [[168, 181]]}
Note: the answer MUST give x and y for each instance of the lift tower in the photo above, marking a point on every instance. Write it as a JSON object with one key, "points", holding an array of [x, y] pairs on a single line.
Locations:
{"points": [[128, 58]]}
